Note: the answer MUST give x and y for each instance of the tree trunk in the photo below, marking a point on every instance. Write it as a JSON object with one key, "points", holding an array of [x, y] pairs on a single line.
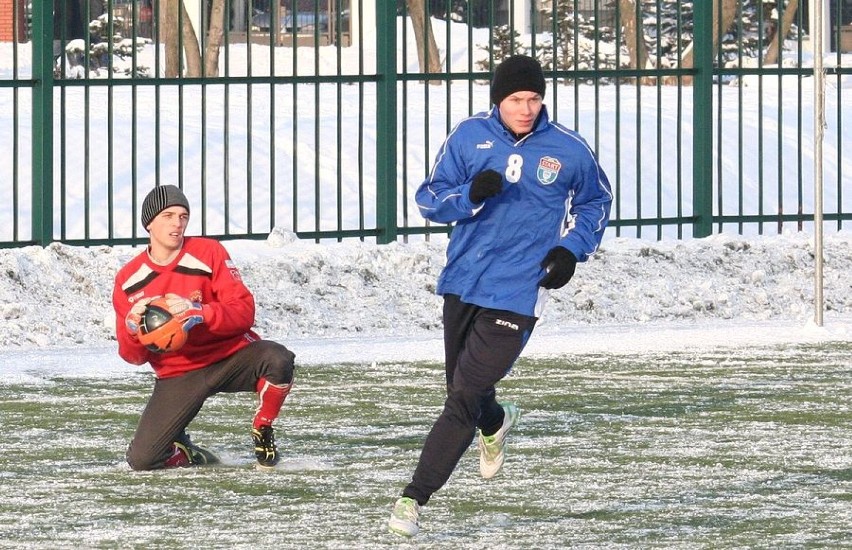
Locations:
{"points": [[427, 49], [169, 35], [633, 35], [773, 53], [729, 12], [190, 45], [214, 38], [178, 47]]}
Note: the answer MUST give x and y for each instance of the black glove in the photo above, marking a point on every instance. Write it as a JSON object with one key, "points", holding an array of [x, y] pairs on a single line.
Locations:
{"points": [[559, 264], [485, 184]]}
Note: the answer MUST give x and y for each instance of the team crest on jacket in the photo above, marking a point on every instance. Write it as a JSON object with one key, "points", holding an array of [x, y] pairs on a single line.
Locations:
{"points": [[548, 169]]}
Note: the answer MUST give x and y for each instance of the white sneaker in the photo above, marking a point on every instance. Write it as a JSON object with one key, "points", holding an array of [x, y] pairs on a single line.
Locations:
{"points": [[492, 448], [404, 517]]}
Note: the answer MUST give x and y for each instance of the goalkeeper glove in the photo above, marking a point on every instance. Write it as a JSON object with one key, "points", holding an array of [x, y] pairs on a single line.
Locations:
{"points": [[134, 317], [186, 312]]}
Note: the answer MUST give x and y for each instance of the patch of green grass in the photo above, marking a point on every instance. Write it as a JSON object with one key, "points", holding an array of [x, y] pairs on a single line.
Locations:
{"points": [[742, 448]]}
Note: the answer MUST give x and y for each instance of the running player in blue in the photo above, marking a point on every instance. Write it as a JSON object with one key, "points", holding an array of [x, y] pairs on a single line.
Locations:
{"points": [[529, 201]]}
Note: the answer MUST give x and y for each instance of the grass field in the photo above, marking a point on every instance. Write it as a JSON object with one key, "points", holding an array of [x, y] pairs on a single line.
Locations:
{"points": [[717, 449]]}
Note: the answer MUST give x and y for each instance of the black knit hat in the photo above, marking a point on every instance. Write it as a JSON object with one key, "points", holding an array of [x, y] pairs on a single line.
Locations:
{"points": [[160, 198], [518, 73]]}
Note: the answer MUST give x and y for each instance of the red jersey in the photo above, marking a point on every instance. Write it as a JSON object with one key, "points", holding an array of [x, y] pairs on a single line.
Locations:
{"points": [[203, 272]]}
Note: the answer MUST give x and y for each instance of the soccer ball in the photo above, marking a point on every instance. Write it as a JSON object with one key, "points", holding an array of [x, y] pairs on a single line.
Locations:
{"points": [[159, 331]]}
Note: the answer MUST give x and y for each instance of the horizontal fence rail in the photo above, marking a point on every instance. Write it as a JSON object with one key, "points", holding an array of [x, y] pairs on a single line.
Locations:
{"points": [[321, 117]]}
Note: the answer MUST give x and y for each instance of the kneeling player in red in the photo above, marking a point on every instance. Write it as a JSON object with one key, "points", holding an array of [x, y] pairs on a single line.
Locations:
{"points": [[182, 307]]}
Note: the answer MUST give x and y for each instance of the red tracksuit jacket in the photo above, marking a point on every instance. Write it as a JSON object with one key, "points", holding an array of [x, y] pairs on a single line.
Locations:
{"points": [[203, 272]]}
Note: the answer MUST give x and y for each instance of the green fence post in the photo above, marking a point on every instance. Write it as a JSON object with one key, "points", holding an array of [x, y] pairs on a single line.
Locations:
{"points": [[42, 121], [702, 120], [386, 122]]}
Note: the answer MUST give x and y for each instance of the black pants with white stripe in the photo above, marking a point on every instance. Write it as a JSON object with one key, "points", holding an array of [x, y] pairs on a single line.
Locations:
{"points": [[480, 346]]}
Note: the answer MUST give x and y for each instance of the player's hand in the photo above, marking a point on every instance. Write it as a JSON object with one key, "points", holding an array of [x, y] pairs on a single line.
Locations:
{"points": [[559, 265], [485, 184], [134, 316], [186, 312]]}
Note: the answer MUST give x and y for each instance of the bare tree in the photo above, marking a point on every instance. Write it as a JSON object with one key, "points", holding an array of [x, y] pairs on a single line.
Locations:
{"points": [[168, 25], [633, 36], [729, 12], [187, 40], [427, 48], [190, 45], [214, 38], [773, 52]]}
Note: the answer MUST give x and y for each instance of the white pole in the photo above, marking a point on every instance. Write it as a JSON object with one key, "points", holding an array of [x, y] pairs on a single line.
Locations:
{"points": [[819, 130]]}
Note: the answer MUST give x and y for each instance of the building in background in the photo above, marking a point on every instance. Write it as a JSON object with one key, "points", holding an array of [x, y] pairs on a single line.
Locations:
{"points": [[13, 20]]}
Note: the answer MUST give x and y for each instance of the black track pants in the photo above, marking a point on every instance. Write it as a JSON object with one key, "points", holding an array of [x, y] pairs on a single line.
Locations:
{"points": [[176, 401], [481, 345]]}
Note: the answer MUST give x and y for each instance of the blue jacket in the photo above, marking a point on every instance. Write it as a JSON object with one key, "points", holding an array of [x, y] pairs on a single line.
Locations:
{"points": [[554, 193]]}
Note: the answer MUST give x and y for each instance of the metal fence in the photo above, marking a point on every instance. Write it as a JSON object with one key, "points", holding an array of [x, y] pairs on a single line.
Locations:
{"points": [[325, 123]]}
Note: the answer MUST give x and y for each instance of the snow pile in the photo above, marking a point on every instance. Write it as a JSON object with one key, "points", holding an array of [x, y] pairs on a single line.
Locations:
{"points": [[61, 295]]}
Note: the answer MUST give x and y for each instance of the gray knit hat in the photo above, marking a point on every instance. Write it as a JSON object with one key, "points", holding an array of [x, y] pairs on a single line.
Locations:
{"points": [[518, 73], [160, 198]]}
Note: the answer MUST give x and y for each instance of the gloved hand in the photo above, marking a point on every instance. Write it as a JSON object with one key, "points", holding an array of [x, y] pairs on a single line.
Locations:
{"points": [[186, 312], [134, 316], [485, 184], [559, 264]]}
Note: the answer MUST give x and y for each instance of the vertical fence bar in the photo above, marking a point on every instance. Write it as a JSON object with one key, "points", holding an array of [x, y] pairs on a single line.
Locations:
{"points": [[760, 124], [702, 122], [616, 181], [800, 133], [615, 176], [404, 85], [17, 38], [838, 89], [361, 107], [317, 136], [386, 122], [659, 133], [249, 121], [42, 121], [637, 85], [779, 113], [597, 77], [338, 91], [741, 120], [679, 138]]}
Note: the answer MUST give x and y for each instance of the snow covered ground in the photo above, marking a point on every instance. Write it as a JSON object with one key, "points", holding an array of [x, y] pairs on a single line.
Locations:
{"points": [[356, 301]]}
